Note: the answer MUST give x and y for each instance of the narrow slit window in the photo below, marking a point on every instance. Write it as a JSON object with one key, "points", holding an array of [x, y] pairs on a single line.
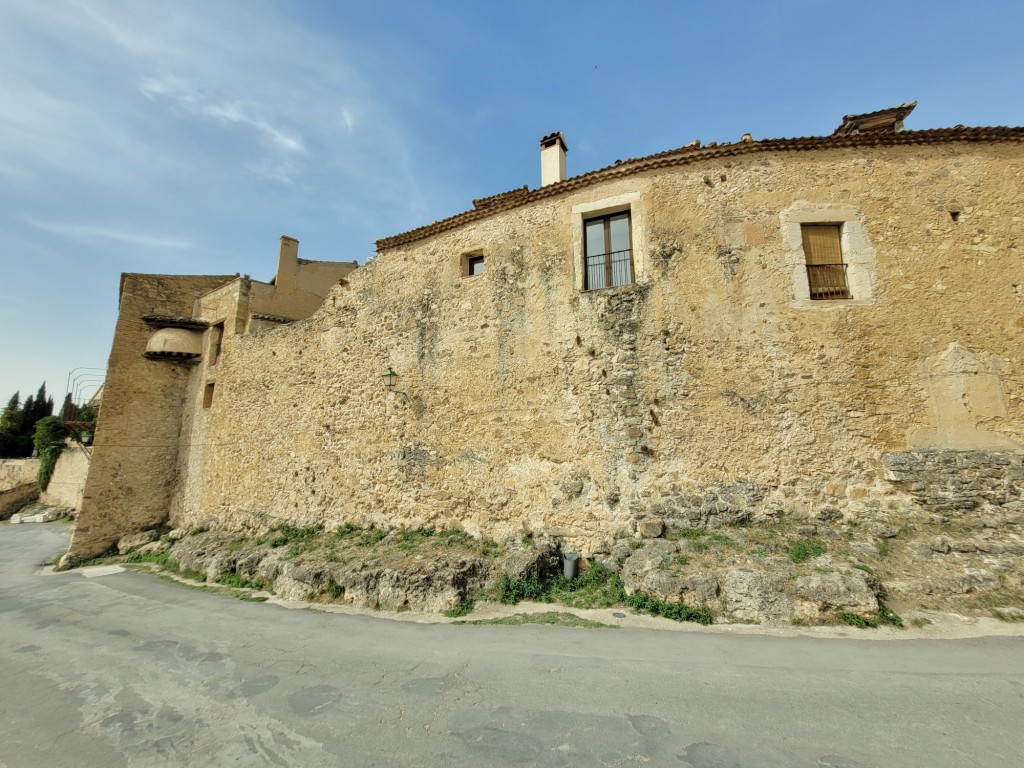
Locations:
{"points": [[218, 342], [208, 395], [823, 253]]}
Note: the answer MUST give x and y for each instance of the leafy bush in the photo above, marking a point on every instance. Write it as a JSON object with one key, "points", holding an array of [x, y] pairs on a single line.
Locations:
{"points": [[49, 442], [512, 591], [596, 587]]}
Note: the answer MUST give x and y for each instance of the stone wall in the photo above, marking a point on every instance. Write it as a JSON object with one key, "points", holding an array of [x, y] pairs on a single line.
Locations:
{"points": [[133, 469], [984, 484], [67, 484], [15, 472], [18, 484], [711, 385]]}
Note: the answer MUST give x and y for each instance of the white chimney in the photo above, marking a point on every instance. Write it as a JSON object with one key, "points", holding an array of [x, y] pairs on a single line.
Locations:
{"points": [[552, 158]]}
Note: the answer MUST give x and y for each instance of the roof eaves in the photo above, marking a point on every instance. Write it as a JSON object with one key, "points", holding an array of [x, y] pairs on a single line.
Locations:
{"points": [[691, 154]]}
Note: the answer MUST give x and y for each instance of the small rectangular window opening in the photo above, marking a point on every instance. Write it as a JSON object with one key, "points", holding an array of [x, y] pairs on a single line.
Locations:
{"points": [[208, 395], [823, 253], [474, 265], [608, 251]]}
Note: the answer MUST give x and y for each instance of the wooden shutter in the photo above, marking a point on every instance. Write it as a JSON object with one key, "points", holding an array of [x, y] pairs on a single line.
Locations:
{"points": [[821, 244], [826, 273]]}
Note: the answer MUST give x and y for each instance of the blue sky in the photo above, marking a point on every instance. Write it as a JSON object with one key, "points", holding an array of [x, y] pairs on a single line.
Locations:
{"points": [[187, 136]]}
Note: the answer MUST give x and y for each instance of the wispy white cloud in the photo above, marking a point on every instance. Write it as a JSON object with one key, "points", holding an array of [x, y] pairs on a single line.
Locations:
{"points": [[193, 100], [93, 232], [124, 68]]}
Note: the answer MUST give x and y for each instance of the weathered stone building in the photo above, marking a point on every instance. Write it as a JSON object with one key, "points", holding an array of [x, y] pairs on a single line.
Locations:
{"points": [[822, 327]]}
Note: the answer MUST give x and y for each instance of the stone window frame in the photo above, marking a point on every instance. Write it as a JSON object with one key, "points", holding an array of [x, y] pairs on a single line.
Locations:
{"points": [[858, 254], [629, 201], [467, 260]]}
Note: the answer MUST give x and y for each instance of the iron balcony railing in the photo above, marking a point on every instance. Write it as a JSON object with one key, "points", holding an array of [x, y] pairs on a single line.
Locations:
{"points": [[828, 281], [609, 269]]}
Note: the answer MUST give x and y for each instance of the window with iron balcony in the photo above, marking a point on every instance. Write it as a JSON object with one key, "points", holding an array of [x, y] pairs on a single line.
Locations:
{"points": [[823, 253], [608, 251]]}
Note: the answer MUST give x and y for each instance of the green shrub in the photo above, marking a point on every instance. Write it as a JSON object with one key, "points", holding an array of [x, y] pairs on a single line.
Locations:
{"points": [[804, 549], [596, 587], [512, 591]]}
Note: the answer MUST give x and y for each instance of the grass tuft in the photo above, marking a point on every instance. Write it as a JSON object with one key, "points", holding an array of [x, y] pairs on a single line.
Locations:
{"points": [[464, 607], [803, 550], [884, 616], [645, 603], [238, 581], [556, 618]]}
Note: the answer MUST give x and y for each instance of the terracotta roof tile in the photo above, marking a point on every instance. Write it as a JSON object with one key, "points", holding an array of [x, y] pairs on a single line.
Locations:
{"points": [[487, 202], [695, 153]]}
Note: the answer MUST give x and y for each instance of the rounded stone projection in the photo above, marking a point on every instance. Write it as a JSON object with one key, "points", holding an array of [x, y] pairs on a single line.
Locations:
{"points": [[174, 342]]}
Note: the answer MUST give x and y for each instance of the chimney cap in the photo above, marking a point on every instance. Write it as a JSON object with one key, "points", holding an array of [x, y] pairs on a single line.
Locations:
{"points": [[554, 138]]}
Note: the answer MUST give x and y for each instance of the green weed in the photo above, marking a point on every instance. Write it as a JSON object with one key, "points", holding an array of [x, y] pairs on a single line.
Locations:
{"points": [[451, 537], [645, 603], [238, 581], [334, 590], [465, 606], [157, 558], [371, 537], [512, 591], [411, 539], [804, 549], [555, 618], [284, 534], [884, 615]]}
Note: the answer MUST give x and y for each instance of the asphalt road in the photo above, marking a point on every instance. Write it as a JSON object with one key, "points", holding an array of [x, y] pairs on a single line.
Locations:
{"points": [[127, 670]]}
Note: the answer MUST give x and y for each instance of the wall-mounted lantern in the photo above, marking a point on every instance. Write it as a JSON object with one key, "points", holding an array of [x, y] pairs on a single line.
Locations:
{"points": [[390, 379]]}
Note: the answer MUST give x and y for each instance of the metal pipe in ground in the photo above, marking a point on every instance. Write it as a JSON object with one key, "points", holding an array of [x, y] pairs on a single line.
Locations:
{"points": [[570, 565]]}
